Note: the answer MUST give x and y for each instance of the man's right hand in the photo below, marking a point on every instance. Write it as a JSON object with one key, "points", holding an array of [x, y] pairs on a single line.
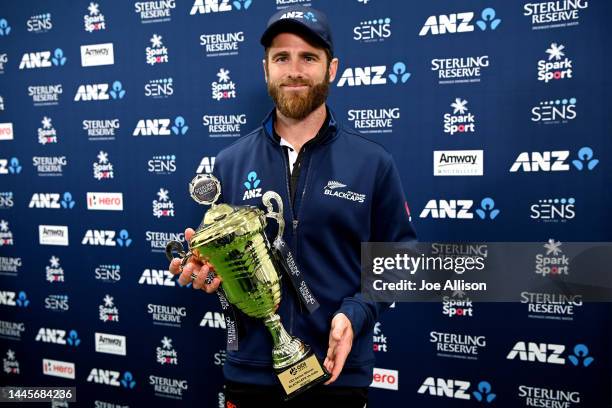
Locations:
{"points": [[195, 267]]}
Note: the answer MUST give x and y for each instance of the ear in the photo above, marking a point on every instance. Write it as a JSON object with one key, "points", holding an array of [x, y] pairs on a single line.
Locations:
{"points": [[333, 69], [263, 64]]}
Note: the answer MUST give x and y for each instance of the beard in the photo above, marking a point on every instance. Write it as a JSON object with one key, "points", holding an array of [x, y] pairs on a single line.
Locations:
{"points": [[298, 104]]}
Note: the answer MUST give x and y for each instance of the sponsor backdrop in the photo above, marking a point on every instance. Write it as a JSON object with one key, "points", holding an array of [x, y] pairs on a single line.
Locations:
{"points": [[495, 112]]}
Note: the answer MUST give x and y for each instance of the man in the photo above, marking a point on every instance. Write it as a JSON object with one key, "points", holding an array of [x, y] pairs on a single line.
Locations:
{"points": [[338, 190]]}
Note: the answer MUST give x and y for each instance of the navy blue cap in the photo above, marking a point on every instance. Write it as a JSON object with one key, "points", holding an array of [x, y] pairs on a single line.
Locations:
{"points": [[299, 20]]}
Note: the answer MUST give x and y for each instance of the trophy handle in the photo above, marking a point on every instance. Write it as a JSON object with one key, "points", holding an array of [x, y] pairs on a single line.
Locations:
{"points": [[267, 199], [176, 246]]}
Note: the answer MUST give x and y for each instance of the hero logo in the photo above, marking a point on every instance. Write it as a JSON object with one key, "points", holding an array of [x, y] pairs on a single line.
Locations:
{"points": [[385, 379], [6, 131], [216, 6], [459, 389], [459, 23], [160, 127], [99, 92], [106, 238], [214, 320], [374, 75], [156, 277], [550, 353], [554, 161], [105, 201], [63, 369], [42, 59]]}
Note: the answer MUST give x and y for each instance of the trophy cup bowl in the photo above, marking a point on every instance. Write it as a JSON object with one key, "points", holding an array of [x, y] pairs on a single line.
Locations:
{"points": [[233, 240]]}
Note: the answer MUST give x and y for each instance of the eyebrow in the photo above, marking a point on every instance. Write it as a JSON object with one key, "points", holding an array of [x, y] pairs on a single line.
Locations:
{"points": [[301, 54]]}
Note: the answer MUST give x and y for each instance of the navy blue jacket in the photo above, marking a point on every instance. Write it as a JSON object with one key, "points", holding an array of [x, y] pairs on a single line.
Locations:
{"points": [[348, 192]]}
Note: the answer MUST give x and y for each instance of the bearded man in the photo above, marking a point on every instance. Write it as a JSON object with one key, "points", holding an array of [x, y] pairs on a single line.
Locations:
{"points": [[338, 190]]}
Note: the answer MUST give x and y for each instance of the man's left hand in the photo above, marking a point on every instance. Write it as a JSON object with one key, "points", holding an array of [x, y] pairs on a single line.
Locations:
{"points": [[340, 343]]}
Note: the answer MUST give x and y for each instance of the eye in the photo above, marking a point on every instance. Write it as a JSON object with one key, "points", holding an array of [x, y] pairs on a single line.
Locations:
{"points": [[280, 59], [310, 58]]}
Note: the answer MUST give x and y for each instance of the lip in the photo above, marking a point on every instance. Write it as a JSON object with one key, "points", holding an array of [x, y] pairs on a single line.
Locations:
{"points": [[295, 87]]}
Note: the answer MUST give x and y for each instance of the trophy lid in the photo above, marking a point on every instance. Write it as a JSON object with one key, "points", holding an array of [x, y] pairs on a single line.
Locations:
{"points": [[221, 219]]}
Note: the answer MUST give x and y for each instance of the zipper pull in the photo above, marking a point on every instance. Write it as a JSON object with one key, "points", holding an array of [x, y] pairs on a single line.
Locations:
{"points": [[295, 225]]}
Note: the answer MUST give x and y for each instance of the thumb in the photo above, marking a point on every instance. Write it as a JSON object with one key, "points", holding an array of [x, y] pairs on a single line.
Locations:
{"points": [[189, 233], [338, 328]]}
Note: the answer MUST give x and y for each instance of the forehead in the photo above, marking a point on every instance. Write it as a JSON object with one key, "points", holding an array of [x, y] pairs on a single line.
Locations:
{"points": [[293, 42]]}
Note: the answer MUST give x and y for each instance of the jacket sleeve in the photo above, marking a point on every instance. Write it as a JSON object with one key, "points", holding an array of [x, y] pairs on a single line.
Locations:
{"points": [[390, 222]]}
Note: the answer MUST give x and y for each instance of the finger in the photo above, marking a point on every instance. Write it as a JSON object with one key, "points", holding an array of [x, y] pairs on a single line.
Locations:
{"points": [[189, 233], [212, 286], [202, 273], [175, 266], [341, 353], [185, 276], [338, 330]]}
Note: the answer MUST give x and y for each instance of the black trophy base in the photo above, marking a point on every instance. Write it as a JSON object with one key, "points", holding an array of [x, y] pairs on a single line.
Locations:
{"points": [[302, 376]]}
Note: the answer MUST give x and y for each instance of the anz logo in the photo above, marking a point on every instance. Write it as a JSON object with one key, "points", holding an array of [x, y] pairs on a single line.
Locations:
{"points": [[374, 75], [252, 186], [460, 23]]}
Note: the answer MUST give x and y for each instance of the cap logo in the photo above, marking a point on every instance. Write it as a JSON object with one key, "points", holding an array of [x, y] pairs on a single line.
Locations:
{"points": [[300, 15]]}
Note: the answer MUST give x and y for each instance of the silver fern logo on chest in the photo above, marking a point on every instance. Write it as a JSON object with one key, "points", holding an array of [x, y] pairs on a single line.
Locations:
{"points": [[337, 189], [252, 186]]}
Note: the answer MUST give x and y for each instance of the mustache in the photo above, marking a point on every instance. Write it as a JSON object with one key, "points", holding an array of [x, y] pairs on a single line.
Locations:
{"points": [[294, 82]]}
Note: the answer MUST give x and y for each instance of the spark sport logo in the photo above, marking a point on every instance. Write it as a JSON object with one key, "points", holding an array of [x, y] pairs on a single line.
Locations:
{"points": [[556, 67], [157, 53], [94, 21], [47, 133], [459, 121]]}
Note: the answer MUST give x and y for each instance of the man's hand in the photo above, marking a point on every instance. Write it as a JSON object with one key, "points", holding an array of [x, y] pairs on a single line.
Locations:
{"points": [[340, 343], [196, 267]]}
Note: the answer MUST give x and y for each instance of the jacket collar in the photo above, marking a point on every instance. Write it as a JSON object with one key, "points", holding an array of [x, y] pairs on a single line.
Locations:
{"points": [[329, 134]]}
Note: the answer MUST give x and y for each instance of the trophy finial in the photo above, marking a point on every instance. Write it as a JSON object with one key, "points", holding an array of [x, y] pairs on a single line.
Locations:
{"points": [[205, 189]]}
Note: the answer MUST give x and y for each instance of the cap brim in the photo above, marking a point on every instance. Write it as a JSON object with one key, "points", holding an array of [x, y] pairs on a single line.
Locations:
{"points": [[290, 26]]}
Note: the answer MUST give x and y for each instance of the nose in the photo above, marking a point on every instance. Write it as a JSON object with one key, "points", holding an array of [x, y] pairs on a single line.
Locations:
{"points": [[295, 69]]}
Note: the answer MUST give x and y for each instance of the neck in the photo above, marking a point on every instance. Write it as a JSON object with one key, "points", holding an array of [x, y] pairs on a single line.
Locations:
{"points": [[299, 131]]}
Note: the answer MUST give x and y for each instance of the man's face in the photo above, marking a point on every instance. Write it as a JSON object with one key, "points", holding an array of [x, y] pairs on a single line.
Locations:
{"points": [[298, 75]]}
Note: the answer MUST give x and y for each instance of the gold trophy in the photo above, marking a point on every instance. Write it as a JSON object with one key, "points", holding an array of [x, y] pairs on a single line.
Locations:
{"points": [[232, 238]]}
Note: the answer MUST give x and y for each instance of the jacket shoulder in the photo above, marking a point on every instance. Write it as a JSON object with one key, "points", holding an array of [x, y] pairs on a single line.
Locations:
{"points": [[244, 143], [357, 144]]}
